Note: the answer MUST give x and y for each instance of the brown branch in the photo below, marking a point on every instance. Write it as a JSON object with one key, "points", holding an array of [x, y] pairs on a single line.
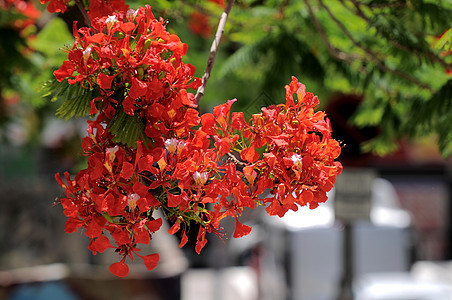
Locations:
{"points": [[379, 63], [235, 160], [213, 50], [401, 4], [83, 11]]}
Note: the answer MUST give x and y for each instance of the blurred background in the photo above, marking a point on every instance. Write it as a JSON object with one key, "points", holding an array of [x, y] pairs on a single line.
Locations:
{"points": [[381, 69]]}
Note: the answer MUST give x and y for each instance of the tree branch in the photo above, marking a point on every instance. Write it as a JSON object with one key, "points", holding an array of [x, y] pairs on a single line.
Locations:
{"points": [[235, 160], [83, 11], [380, 64], [213, 50]]}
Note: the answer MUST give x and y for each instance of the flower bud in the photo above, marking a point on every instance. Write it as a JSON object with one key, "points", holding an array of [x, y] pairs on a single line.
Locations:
{"points": [[86, 55]]}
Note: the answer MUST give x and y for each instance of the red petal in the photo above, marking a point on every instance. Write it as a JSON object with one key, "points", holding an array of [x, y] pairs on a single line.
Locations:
{"points": [[187, 98], [94, 229], [275, 208], [66, 70], [270, 158], [238, 121], [72, 224], [127, 170], [99, 199], [223, 109], [201, 139], [175, 228], [173, 200], [201, 240], [142, 236], [93, 109], [184, 240], [152, 201], [95, 38], [249, 154], [154, 225], [145, 163], [128, 105], [250, 174], [59, 180], [101, 244], [150, 261], [241, 229], [121, 237], [119, 269], [138, 88], [308, 196], [143, 204], [200, 244], [104, 81], [140, 189], [126, 27], [208, 123]]}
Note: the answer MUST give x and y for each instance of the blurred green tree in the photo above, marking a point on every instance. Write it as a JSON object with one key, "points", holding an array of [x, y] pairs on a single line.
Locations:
{"points": [[396, 54]]}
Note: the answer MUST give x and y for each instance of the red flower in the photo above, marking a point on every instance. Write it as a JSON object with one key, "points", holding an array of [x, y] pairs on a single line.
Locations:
{"points": [[187, 161], [97, 8], [219, 2], [100, 8], [55, 6], [199, 24]]}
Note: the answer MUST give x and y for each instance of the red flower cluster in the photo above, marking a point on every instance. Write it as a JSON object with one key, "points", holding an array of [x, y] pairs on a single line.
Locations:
{"points": [[180, 167], [199, 22], [132, 58], [25, 8], [96, 8]]}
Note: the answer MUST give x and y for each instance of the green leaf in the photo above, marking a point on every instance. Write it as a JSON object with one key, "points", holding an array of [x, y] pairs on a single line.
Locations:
{"points": [[76, 98], [127, 129], [53, 89], [445, 42], [77, 103], [381, 145]]}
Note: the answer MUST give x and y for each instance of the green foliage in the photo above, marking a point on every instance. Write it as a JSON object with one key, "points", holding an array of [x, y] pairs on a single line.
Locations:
{"points": [[392, 52], [433, 116], [387, 51], [11, 56], [76, 102], [49, 42], [127, 129], [384, 50], [76, 99], [445, 42]]}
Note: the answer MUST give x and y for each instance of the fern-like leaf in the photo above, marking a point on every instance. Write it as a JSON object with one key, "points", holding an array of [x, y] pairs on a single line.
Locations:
{"points": [[77, 103], [76, 99], [127, 129]]}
